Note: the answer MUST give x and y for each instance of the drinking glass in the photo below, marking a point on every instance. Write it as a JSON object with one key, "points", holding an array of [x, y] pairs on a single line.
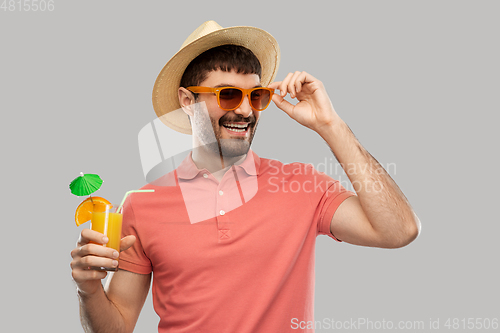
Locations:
{"points": [[109, 223]]}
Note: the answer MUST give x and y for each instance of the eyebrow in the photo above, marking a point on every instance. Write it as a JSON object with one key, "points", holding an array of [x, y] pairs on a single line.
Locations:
{"points": [[232, 85]]}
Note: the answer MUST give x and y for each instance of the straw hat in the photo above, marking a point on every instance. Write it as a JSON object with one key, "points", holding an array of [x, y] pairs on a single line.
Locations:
{"points": [[207, 36]]}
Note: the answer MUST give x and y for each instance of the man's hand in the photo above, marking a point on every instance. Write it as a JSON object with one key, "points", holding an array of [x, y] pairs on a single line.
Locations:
{"points": [[87, 255], [314, 108]]}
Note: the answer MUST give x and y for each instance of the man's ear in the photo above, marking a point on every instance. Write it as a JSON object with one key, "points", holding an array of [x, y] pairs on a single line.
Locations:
{"points": [[186, 99]]}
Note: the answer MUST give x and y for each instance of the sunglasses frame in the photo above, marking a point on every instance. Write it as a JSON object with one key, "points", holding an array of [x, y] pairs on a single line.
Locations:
{"points": [[245, 92]]}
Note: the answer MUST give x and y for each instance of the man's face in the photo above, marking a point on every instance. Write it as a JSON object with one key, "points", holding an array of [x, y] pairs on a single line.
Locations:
{"points": [[233, 130]]}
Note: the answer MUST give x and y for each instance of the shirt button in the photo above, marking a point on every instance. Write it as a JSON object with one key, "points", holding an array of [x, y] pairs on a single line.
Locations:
{"points": [[221, 193], [222, 212], [205, 175]]}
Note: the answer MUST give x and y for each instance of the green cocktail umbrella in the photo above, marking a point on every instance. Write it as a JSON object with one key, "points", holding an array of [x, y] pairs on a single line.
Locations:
{"points": [[85, 184]]}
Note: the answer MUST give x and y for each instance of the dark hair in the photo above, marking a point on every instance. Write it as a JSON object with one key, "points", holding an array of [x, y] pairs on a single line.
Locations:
{"points": [[224, 57]]}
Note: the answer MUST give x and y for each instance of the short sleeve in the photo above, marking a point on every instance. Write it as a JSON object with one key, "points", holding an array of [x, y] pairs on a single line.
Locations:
{"points": [[134, 258], [331, 199]]}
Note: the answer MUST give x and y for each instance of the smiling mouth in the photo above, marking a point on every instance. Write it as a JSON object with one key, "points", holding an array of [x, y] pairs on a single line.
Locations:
{"points": [[236, 127]]}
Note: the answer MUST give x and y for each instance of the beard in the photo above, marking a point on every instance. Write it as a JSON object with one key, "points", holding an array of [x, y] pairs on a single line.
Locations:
{"points": [[209, 132]]}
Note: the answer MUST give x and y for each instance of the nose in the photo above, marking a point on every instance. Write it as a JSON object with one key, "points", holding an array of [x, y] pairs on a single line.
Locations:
{"points": [[244, 109]]}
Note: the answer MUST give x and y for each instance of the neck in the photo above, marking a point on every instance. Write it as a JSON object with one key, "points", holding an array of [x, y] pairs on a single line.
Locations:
{"points": [[203, 158]]}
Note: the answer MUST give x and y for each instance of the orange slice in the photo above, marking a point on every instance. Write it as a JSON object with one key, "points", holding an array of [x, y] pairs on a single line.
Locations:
{"points": [[84, 210]]}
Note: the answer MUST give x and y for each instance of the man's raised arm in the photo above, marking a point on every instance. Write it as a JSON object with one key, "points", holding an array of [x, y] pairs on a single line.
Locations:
{"points": [[380, 215]]}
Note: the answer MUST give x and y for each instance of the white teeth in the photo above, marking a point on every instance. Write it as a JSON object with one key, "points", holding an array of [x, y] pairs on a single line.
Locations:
{"points": [[236, 125], [237, 130]]}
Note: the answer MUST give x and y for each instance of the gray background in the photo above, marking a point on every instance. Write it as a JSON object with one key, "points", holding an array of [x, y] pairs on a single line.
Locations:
{"points": [[416, 81]]}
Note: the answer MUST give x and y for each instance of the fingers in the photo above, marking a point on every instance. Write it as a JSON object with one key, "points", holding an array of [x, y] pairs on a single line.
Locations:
{"points": [[86, 246], [94, 250], [93, 255], [295, 84], [90, 253], [93, 262], [274, 85], [292, 84], [284, 84], [88, 235]]}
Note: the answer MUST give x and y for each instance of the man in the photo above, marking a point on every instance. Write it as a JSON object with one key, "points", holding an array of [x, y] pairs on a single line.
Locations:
{"points": [[248, 264]]}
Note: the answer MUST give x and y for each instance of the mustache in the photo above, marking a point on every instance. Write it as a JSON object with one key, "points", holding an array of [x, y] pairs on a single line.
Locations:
{"points": [[237, 118]]}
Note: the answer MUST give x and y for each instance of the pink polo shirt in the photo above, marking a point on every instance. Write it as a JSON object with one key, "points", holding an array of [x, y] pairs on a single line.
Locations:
{"points": [[235, 255]]}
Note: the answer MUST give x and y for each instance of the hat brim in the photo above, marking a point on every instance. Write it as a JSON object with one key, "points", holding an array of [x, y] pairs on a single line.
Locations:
{"points": [[165, 91]]}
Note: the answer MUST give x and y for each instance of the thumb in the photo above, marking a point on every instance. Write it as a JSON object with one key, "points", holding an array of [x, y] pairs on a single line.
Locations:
{"points": [[283, 104], [127, 242]]}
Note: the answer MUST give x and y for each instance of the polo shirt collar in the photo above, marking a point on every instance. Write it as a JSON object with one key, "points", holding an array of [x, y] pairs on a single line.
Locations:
{"points": [[188, 170]]}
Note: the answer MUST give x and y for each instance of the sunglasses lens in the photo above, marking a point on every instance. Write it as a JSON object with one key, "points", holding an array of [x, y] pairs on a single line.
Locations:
{"points": [[260, 99], [230, 98]]}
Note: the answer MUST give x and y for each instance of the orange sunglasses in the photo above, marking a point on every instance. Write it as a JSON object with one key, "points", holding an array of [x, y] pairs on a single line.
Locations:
{"points": [[230, 98]]}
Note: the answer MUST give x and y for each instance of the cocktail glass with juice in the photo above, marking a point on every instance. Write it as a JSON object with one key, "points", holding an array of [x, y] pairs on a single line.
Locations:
{"points": [[109, 223]]}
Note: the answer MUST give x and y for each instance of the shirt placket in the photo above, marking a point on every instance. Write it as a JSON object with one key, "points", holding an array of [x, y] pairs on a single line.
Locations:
{"points": [[223, 225], [228, 198]]}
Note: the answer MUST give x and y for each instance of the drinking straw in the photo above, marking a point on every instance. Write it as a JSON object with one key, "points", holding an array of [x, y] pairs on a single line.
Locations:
{"points": [[125, 197]]}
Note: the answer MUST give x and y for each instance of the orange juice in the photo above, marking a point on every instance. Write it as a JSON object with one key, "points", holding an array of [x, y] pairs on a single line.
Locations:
{"points": [[109, 224]]}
